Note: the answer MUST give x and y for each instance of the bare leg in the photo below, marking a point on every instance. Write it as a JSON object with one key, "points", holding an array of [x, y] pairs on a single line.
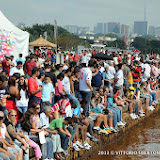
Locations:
{"points": [[147, 103], [105, 121], [20, 156], [110, 122], [99, 120]]}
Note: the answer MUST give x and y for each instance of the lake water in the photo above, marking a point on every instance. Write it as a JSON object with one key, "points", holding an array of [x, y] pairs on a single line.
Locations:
{"points": [[142, 142]]}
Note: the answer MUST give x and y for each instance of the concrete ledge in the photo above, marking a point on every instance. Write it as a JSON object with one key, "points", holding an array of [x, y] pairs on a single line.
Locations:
{"points": [[104, 139]]}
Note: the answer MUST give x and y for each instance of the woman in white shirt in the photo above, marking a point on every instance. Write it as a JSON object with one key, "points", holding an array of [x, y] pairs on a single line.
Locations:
{"points": [[22, 104]]}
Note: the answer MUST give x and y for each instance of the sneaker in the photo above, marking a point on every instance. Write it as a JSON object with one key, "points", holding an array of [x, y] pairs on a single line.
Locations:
{"points": [[103, 131], [113, 130], [96, 128], [141, 111], [88, 135], [94, 139], [123, 122], [86, 145], [66, 153], [75, 146], [108, 130], [79, 144], [136, 116], [156, 102], [120, 124], [132, 116], [151, 108], [142, 115], [116, 127]]}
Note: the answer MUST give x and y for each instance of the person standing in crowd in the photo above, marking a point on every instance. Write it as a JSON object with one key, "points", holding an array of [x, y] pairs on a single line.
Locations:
{"points": [[4, 94], [20, 59], [29, 66], [136, 72], [6, 63], [34, 89], [14, 94], [17, 69], [48, 91], [22, 104], [66, 88], [12, 60], [85, 85], [119, 79], [126, 74]]}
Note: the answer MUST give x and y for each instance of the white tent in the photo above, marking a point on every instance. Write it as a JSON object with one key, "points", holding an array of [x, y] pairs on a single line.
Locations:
{"points": [[12, 39]]}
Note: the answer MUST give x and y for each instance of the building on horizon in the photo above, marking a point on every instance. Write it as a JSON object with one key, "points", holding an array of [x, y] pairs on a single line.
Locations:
{"points": [[114, 27], [157, 31], [141, 27], [99, 28], [151, 30], [71, 28], [125, 30]]}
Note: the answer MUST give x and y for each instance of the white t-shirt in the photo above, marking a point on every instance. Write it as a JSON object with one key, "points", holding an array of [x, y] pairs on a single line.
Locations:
{"points": [[119, 75], [85, 74], [147, 70], [68, 111], [16, 70], [84, 59], [66, 84], [111, 72], [14, 62], [23, 101], [44, 120]]}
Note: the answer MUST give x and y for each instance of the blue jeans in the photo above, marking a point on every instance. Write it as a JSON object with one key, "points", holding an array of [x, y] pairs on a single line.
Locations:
{"points": [[27, 76], [77, 94], [72, 131], [47, 149], [22, 109], [116, 115], [153, 96], [18, 143], [74, 99], [86, 96], [64, 140]]}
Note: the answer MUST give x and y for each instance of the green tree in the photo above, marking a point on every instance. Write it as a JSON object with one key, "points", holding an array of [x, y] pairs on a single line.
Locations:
{"points": [[65, 39]]}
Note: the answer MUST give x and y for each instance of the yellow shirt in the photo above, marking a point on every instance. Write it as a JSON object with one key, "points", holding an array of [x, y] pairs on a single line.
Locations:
{"points": [[130, 80]]}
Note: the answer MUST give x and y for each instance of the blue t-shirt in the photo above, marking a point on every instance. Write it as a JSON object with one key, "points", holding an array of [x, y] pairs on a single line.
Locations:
{"points": [[97, 80], [77, 111], [46, 92], [53, 58], [21, 60]]}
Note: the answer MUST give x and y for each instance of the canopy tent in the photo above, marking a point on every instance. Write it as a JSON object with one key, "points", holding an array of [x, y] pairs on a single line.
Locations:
{"points": [[13, 40], [41, 42]]}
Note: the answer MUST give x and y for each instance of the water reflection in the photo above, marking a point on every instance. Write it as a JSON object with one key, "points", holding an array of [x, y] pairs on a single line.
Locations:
{"points": [[143, 142]]}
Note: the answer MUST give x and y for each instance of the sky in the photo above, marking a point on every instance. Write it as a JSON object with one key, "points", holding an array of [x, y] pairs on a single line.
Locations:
{"points": [[80, 12]]}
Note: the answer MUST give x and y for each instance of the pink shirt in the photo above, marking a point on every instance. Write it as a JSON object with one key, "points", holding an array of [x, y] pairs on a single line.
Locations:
{"points": [[58, 89]]}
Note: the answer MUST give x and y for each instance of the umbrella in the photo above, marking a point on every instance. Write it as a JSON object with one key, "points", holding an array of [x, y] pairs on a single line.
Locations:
{"points": [[102, 56]]}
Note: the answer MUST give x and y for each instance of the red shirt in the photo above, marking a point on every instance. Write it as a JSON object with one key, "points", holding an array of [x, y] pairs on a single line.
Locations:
{"points": [[32, 86], [5, 67], [116, 95], [76, 58], [29, 66]]}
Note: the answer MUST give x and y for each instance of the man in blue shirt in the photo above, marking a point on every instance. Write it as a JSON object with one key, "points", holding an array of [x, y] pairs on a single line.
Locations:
{"points": [[97, 80], [47, 91], [20, 59]]}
